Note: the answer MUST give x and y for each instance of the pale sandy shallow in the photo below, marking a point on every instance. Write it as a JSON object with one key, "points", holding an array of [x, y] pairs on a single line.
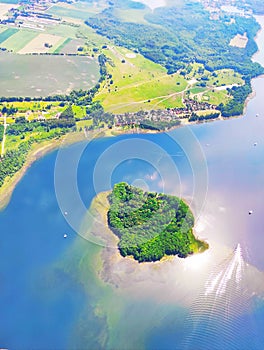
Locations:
{"points": [[217, 272]]}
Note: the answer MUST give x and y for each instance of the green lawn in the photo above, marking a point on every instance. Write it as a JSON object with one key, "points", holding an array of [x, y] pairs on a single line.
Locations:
{"points": [[64, 30], [137, 83], [69, 12], [133, 15], [83, 123], [197, 90], [7, 33], [61, 45], [79, 111], [225, 77], [216, 96], [18, 40]]}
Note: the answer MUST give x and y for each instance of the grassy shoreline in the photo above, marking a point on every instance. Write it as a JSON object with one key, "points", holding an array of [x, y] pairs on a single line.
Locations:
{"points": [[39, 150]]}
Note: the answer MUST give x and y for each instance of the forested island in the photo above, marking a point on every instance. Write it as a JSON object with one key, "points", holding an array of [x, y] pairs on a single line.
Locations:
{"points": [[151, 225], [158, 69]]}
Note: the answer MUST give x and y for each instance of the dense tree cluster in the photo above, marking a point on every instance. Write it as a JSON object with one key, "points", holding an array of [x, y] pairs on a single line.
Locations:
{"points": [[151, 225], [67, 113], [179, 35], [208, 116], [235, 106], [19, 128], [13, 160], [8, 111], [1, 132], [159, 125]]}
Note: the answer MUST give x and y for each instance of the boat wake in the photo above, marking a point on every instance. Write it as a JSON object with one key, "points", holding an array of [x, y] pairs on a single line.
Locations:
{"points": [[216, 317]]}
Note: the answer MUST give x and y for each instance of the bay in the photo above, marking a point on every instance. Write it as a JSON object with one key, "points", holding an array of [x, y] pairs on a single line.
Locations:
{"points": [[51, 294]]}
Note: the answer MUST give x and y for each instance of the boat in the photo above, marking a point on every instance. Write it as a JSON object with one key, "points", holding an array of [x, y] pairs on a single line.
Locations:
{"points": [[65, 235], [255, 143], [250, 212]]}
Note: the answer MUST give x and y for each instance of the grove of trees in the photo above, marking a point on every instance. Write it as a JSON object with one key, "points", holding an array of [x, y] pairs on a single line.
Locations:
{"points": [[151, 225]]}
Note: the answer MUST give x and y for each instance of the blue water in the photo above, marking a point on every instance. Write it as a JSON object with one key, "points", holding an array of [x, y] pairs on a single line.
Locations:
{"points": [[43, 301], [41, 304]]}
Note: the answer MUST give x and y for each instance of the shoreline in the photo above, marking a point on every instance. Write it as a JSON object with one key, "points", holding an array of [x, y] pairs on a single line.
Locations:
{"points": [[42, 149], [157, 280], [98, 211]]}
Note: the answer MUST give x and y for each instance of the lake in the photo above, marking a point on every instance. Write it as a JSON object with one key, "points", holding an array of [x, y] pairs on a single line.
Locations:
{"points": [[77, 293], [43, 75]]}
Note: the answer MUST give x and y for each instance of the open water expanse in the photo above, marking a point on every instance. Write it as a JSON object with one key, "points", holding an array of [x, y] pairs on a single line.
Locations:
{"points": [[52, 297]]}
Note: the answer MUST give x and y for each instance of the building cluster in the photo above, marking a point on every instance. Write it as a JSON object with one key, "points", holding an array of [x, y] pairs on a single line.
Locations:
{"points": [[167, 115], [232, 7], [32, 14]]}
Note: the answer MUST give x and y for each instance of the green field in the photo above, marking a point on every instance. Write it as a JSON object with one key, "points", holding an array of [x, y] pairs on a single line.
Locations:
{"points": [[62, 45], [69, 13], [216, 96], [7, 33], [18, 40], [64, 30], [226, 77], [138, 83], [79, 10], [136, 16]]}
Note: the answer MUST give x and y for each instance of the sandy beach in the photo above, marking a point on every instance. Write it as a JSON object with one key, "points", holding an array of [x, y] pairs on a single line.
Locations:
{"points": [[171, 280]]}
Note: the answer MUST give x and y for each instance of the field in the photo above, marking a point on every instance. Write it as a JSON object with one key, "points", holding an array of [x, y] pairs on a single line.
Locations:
{"points": [[71, 46], [6, 34], [30, 75], [37, 44], [136, 16], [4, 8], [68, 13], [137, 83], [17, 41], [77, 12], [239, 41]]}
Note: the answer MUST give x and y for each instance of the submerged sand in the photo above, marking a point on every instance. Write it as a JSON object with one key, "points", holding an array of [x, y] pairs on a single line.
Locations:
{"points": [[219, 273]]}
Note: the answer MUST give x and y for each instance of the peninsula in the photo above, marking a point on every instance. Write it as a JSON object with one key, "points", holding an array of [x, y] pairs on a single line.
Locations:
{"points": [[151, 225]]}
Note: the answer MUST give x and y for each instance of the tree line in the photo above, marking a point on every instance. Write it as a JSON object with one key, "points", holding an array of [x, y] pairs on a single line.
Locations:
{"points": [[151, 225]]}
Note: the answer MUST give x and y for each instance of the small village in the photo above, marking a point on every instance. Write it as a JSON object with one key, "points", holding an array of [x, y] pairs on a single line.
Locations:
{"points": [[32, 15], [169, 116]]}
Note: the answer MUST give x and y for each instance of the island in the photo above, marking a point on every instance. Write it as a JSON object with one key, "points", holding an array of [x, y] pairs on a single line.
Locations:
{"points": [[151, 225], [138, 70]]}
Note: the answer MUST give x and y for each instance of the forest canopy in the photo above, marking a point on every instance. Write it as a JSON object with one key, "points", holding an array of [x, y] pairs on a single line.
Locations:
{"points": [[151, 225], [176, 36]]}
